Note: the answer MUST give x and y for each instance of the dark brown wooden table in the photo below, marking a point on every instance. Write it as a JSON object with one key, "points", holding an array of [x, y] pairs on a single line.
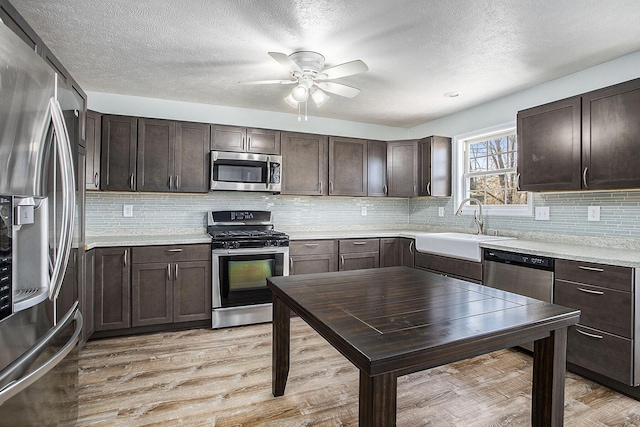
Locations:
{"points": [[394, 321]]}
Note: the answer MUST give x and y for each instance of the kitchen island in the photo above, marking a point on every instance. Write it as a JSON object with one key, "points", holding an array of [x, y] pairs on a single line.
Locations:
{"points": [[394, 321]]}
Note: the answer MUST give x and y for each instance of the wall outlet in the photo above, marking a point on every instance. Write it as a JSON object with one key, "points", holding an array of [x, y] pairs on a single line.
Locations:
{"points": [[127, 211], [363, 211], [593, 213], [441, 211], [542, 213]]}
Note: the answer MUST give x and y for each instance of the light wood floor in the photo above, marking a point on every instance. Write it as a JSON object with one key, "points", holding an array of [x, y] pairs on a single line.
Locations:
{"points": [[223, 378]]}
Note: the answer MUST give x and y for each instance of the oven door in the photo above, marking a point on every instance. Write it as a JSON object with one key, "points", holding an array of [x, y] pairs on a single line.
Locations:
{"points": [[240, 275], [245, 171]]}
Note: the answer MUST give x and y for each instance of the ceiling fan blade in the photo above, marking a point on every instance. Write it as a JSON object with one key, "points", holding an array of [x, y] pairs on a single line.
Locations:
{"points": [[346, 69], [269, 82], [285, 61], [339, 89]]}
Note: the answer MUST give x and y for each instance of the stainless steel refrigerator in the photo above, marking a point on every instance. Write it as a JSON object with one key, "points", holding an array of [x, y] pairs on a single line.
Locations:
{"points": [[38, 355]]}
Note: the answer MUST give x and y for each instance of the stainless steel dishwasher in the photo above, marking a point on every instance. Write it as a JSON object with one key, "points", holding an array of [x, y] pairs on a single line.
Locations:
{"points": [[528, 275]]}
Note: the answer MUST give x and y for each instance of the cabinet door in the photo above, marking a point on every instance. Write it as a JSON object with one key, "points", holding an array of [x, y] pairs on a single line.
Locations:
{"points": [[549, 146], [192, 157], [308, 264], [156, 142], [93, 141], [263, 141], [402, 168], [112, 308], [357, 261], [68, 294], [435, 166], [118, 153], [406, 252], [389, 252], [191, 291], [347, 167], [304, 164], [611, 136], [88, 302], [151, 294], [228, 138], [376, 168]]}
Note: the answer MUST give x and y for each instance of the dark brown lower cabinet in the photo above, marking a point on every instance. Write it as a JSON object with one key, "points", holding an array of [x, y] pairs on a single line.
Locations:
{"points": [[68, 293], [88, 295], [356, 254], [151, 294], [112, 287], [406, 252], [451, 267], [312, 256], [389, 252]]}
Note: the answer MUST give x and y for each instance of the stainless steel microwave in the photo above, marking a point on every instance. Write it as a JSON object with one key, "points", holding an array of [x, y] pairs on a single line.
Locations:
{"points": [[245, 171]]}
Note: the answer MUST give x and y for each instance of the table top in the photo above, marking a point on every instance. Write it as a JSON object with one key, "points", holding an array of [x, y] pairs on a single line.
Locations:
{"points": [[405, 320]]}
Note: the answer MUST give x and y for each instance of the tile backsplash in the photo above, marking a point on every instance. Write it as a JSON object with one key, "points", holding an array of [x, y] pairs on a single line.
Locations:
{"points": [[619, 212]]}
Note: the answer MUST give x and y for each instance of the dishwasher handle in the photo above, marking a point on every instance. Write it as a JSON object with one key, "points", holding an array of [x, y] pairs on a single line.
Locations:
{"points": [[523, 260]]}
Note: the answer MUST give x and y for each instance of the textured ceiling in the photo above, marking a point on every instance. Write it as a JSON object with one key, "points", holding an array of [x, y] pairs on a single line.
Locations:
{"points": [[198, 50]]}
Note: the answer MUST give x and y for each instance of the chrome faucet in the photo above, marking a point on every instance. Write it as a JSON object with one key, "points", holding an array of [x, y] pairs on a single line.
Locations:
{"points": [[477, 215]]}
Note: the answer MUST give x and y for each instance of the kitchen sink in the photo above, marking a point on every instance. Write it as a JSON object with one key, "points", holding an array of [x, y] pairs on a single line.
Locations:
{"points": [[455, 245]]}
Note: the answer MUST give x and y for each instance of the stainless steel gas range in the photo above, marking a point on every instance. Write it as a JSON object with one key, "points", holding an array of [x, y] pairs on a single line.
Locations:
{"points": [[246, 250]]}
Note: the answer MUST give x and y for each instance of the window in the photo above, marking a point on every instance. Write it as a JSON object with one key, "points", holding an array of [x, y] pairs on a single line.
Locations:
{"points": [[488, 161]]}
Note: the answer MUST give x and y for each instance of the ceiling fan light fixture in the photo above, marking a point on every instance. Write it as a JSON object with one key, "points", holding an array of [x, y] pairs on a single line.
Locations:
{"points": [[291, 101], [319, 97], [300, 93]]}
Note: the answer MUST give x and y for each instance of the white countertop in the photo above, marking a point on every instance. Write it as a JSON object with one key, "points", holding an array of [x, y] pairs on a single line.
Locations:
{"points": [[626, 257]]}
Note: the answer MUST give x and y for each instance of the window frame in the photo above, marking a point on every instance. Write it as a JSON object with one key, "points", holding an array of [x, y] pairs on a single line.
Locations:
{"points": [[459, 168]]}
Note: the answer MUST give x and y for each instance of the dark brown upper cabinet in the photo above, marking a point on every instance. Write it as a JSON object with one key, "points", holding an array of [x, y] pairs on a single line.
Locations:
{"points": [[347, 167], [231, 138], [377, 169], [611, 137], [549, 146], [402, 168], [587, 142], [118, 159], [192, 157], [435, 166], [304, 164], [93, 141], [155, 156]]}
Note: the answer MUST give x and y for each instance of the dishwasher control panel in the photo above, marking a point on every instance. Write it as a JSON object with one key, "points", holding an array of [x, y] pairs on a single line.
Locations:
{"points": [[531, 261]]}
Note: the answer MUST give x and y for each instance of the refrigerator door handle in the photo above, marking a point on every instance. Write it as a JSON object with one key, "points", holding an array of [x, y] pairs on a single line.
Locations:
{"points": [[68, 198], [10, 380]]}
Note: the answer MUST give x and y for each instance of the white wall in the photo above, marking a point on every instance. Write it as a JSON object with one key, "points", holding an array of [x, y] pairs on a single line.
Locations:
{"points": [[109, 103], [504, 109]]}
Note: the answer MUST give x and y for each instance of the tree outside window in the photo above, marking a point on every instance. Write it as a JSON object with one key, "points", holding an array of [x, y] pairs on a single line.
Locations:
{"points": [[490, 170]]}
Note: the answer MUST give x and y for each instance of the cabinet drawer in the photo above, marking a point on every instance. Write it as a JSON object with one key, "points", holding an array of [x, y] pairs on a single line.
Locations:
{"points": [[359, 245], [311, 247], [601, 352], [606, 309], [171, 253], [608, 276], [358, 261], [458, 268]]}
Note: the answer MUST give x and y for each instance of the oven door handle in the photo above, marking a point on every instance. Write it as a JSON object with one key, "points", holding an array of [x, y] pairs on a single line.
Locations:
{"points": [[248, 252]]}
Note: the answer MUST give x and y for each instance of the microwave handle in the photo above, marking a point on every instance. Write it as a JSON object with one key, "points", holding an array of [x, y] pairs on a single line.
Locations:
{"points": [[268, 171]]}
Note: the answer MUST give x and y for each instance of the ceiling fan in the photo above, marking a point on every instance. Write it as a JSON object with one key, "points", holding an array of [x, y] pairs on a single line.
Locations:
{"points": [[310, 77]]}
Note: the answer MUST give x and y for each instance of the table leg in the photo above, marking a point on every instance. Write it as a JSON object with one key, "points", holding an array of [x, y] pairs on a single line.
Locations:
{"points": [[280, 350], [549, 366], [377, 406]]}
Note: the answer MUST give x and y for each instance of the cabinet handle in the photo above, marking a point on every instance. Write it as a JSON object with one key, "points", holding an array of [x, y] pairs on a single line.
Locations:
{"points": [[291, 266], [384, 189], [429, 188], [589, 291], [243, 146], [95, 180], [170, 182], [320, 187], [177, 181], [169, 271], [597, 270], [176, 275], [173, 250], [589, 335], [131, 181], [126, 255], [414, 189], [359, 243], [342, 260], [411, 247], [584, 177], [330, 187], [312, 245], [518, 182]]}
